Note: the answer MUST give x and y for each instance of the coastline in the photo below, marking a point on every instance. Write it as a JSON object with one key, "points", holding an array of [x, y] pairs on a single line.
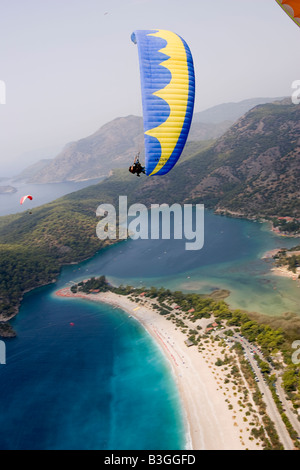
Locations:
{"points": [[281, 270], [219, 212], [271, 253], [215, 419], [285, 272]]}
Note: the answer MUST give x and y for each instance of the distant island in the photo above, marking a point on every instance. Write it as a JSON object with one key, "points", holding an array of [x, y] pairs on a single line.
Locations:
{"points": [[7, 189]]}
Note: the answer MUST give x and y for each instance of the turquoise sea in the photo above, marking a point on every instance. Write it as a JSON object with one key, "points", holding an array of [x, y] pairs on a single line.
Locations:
{"points": [[103, 383]]}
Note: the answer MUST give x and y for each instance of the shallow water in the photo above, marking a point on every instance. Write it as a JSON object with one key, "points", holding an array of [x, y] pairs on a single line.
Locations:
{"points": [[230, 259]]}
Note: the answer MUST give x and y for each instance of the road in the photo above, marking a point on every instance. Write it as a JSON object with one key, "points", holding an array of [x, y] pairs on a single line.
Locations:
{"points": [[272, 409], [292, 417]]}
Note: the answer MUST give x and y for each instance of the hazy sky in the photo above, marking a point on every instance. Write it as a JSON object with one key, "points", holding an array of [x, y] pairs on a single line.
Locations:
{"points": [[69, 66]]}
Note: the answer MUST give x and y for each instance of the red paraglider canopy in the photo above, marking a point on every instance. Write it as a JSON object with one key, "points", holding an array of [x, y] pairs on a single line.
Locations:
{"points": [[25, 197]]}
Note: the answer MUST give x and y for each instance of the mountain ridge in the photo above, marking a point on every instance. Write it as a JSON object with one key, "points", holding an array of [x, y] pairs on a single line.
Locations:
{"points": [[231, 111], [116, 143], [252, 170]]}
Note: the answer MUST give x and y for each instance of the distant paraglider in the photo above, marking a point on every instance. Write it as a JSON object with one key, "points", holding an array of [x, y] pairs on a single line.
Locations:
{"points": [[23, 199], [292, 8], [168, 93]]}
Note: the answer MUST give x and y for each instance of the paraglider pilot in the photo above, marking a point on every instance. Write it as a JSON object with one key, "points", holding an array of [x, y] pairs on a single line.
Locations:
{"points": [[137, 168]]}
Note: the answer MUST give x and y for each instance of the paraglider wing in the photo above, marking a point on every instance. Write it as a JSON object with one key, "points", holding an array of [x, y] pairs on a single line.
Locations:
{"points": [[168, 93], [23, 199], [292, 8]]}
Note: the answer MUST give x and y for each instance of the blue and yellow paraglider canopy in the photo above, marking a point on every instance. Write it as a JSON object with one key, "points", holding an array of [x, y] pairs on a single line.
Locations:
{"points": [[168, 93]]}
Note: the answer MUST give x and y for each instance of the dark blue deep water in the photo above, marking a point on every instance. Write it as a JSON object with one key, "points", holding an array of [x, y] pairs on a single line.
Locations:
{"points": [[103, 383], [98, 384]]}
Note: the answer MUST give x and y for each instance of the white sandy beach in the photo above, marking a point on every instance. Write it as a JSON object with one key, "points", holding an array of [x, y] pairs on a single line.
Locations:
{"points": [[283, 269], [285, 272], [215, 416]]}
